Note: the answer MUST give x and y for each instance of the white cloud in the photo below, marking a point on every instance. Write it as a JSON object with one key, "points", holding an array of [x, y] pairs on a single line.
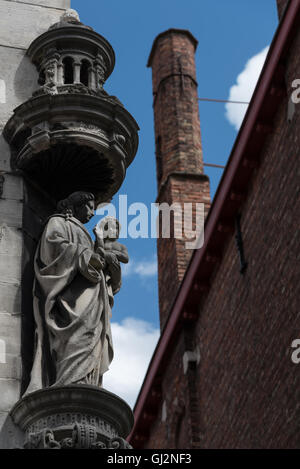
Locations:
{"points": [[142, 268], [244, 87], [134, 341]]}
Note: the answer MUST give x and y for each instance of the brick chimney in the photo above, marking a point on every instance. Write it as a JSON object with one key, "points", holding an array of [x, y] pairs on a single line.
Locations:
{"points": [[179, 161], [281, 5]]}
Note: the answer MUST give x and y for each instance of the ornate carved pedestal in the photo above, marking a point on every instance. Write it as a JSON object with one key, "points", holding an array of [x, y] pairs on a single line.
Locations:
{"points": [[73, 417]]}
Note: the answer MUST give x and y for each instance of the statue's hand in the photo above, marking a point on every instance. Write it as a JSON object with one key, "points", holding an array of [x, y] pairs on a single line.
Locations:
{"points": [[95, 231], [97, 262], [97, 234]]}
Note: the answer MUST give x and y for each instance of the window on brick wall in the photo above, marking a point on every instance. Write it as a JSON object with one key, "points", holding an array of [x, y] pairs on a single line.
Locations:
{"points": [[180, 433]]}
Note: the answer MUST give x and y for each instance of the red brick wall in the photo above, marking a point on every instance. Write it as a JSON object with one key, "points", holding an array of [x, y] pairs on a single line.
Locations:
{"points": [[245, 392], [249, 389], [173, 257], [175, 431], [178, 149], [176, 111]]}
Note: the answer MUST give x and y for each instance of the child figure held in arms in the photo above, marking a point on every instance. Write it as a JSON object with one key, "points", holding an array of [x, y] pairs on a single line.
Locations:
{"points": [[107, 232]]}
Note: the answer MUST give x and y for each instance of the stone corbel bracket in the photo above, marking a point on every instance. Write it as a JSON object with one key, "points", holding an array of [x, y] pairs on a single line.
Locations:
{"points": [[70, 141]]}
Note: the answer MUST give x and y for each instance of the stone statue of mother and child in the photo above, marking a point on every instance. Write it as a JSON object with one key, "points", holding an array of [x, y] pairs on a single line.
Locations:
{"points": [[75, 283]]}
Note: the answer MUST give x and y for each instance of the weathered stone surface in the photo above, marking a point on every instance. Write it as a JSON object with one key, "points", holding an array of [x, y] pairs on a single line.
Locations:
{"points": [[10, 435], [4, 148], [12, 187], [12, 368], [101, 160], [71, 121], [3, 417], [83, 350], [36, 204], [112, 144], [11, 212], [10, 240], [10, 393], [10, 332], [73, 417], [10, 296], [11, 247], [10, 267], [20, 23], [20, 78], [29, 21]]}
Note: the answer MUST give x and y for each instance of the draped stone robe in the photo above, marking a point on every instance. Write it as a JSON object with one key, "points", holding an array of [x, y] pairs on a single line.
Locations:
{"points": [[72, 307]]}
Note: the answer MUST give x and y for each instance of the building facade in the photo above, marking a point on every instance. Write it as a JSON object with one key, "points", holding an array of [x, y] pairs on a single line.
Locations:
{"points": [[222, 375], [62, 135], [21, 211]]}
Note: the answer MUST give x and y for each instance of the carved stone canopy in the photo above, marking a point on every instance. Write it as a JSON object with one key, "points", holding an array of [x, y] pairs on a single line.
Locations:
{"points": [[73, 142], [72, 53], [72, 135]]}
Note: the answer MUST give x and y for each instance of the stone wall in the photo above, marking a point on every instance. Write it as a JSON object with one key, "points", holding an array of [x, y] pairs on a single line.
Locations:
{"points": [[22, 210]]}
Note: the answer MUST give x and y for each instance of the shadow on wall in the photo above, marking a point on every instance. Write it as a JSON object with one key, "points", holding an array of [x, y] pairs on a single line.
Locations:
{"points": [[4, 155], [26, 80], [25, 83]]}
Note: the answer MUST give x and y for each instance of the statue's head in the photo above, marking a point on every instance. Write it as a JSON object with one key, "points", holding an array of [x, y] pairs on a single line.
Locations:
{"points": [[109, 228], [80, 205]]}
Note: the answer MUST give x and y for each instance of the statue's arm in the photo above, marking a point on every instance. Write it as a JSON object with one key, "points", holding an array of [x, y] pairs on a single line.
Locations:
{"points": [[114, 270], [99, 243], [122, 254], [116, 277], [97, 261], [117, 255], [90, 265], [62, 255]]}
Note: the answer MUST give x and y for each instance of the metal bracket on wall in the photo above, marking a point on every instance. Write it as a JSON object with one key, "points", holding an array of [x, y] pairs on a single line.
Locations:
{"points": [[290, 110], [190, 357], [240, 244]]}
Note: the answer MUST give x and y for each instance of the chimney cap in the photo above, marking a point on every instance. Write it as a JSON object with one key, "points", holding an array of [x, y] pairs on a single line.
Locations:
{"points": [[167, 33]]}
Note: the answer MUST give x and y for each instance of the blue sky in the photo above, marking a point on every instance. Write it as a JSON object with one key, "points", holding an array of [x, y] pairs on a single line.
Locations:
{"points": [[230, 33]]}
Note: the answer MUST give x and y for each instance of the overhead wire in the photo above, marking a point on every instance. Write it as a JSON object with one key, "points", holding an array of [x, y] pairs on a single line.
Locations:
{"points": [[220, 101], [223, 101]]}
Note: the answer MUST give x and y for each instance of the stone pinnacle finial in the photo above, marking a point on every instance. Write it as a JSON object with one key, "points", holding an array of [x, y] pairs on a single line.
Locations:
{"points": [[70, 15]]}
